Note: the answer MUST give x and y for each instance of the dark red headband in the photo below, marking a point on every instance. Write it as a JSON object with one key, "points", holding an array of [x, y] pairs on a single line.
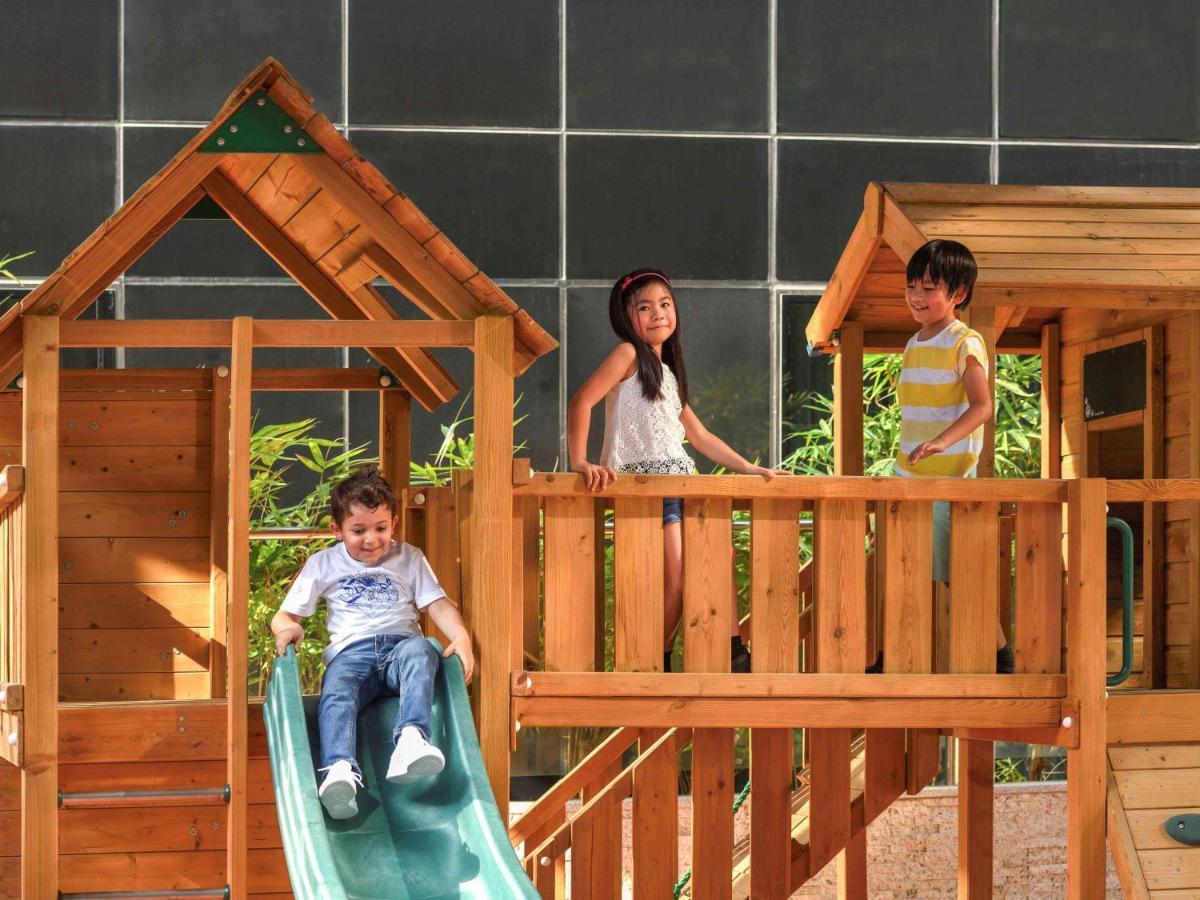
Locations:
{"points": [[630, 279]]}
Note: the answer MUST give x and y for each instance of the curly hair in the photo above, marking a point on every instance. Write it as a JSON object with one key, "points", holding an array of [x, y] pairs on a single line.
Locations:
{"points": [[365, 486]]}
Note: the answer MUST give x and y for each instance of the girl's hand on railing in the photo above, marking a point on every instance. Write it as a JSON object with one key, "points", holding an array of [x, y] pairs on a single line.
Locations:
{"points": [[291, 633], [766, 473], [597, 478]]}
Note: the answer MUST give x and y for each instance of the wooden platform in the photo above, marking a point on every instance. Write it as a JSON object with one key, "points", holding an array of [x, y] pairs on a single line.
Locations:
{"points": [[1147, 785]]}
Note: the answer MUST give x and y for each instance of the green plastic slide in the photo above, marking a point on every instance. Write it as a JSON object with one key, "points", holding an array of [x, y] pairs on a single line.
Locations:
{"points": [[436, 838]]}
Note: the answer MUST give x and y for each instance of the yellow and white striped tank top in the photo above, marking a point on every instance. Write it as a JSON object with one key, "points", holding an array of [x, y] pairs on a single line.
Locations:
{"points": [[932, 396]]}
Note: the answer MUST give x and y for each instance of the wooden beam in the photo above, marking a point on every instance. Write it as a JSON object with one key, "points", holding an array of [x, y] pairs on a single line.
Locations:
{"points": [[1042, 195], [238, 550], [899, 232], [416, 369], [406, 283], [39, 659], [738, 487], [1086, 580], [1154, 533], [492, 543], [1051, 401], [1055, 295], [266, 333], [1193, 467], [218, 542], [788, 684], [848, 401], [843, 283], [395, 441]]}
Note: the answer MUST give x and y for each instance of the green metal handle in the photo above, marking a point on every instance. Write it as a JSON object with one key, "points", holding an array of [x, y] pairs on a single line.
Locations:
{"points": [[1126, 600]]}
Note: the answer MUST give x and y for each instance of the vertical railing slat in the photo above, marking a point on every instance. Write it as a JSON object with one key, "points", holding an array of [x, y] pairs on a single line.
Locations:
{"points": [[638, 561], [707, 623], [841, 634], [570, 584], [974, 547], [656, 819], [774, 640], [218, 537], [596, 846], [1037, 643]]}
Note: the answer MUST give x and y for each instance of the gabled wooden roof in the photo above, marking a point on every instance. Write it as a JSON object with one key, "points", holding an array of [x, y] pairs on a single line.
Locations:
{"points": [[1039, 249], [328, 218]]}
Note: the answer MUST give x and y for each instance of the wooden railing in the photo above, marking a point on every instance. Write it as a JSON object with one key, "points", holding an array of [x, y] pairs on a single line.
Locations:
{"points": [[938, 649]]}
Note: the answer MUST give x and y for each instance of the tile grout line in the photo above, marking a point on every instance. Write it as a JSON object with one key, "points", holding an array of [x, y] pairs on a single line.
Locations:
{"points": [[774, 297], [345, 50], [563, 294], [994, 155], [119, 285]]}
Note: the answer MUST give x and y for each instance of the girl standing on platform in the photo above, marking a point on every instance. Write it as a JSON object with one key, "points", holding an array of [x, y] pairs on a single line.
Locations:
{"points": [[646, 418]]}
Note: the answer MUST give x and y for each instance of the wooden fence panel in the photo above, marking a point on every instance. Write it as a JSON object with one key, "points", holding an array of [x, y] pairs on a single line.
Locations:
{"points": [[638, 560], [1038, 634], [570, 581]]}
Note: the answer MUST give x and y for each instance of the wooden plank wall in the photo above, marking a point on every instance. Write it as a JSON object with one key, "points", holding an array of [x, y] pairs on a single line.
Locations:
{"points": [[162, 746], [1078, 327], [134, 546]]}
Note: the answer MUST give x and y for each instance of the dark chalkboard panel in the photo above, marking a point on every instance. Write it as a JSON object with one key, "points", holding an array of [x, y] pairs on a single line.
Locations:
{"points": [[1114, 381]]}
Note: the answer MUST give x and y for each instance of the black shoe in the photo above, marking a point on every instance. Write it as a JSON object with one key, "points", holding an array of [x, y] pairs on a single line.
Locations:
{"points": [[666, 660], [739, 656], [876, 668], [1005, 664]]}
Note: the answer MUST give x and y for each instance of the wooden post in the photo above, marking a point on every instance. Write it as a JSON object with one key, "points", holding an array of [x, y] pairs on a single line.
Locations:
{"points": [[1194, 532], [852, 868], [39, 649], [218, 532], [1051, 402], [241, 374], [395, 444], [983, 320], [707, 619], [1086, 637], [848, 401], [775, 638], [974, 544], [492, 545], [1154, 535]]}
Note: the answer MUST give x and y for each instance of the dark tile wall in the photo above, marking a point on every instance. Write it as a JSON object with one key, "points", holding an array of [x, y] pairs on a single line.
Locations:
{"points": [[563, 142]]}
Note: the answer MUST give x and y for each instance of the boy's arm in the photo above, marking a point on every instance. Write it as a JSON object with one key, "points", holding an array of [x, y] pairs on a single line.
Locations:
{"points": [[979, 410], [287, 629], [445, 616]]}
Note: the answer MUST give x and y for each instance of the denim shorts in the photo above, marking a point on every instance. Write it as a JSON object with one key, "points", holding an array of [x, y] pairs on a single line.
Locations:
{"points": [[941, 540], [672, 510]]}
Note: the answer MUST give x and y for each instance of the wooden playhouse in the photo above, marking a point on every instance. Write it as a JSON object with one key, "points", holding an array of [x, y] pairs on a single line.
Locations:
{"points": [[138, 764]]}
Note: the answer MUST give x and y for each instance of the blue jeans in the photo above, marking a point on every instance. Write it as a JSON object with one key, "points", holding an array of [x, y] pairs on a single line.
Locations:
{"points": [[395, 665], [672, 510]]}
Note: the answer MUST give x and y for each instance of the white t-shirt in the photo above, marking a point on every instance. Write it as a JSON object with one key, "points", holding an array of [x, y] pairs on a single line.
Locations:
{"points": [[364, 600]]}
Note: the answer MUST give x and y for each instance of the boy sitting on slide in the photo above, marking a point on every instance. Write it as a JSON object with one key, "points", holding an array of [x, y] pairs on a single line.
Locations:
{"points": [[374, 588]]}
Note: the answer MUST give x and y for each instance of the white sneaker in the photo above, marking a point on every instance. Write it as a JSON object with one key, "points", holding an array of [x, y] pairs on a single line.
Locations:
{"points": [[414, 757], [338, 789]]}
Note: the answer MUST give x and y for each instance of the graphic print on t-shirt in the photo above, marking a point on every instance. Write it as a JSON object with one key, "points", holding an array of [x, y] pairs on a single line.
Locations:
{"points": [[375, 595]]}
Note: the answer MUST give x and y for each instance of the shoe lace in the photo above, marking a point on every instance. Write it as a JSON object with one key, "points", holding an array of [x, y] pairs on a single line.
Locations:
{"points": [[353, 773]]}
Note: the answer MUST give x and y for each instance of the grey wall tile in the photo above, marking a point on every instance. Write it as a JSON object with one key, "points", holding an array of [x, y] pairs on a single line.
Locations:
{"points": [[59, 59], [803, 375], [694, 207], [726, 347], [821, 185], [1104, 69], [1100, 165], [56, 187], [640, 64], [857, 67], [495, 195], [194, 247], [182, 59], [454, 63]]}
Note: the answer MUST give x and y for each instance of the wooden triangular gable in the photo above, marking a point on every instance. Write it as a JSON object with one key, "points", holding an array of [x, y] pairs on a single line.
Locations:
{"points": [[323, 213]]}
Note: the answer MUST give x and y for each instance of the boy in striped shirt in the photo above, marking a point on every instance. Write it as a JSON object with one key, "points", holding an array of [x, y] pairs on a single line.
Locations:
{"points": [[944, 394]]}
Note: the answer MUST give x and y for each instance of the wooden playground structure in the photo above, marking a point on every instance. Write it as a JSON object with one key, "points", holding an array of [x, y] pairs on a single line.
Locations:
{"points": [[136, 762]]}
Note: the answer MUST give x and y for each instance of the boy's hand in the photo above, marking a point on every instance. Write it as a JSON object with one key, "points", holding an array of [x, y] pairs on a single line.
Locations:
{"points": [[596, 477], [929, 448], [461, 645], [292, 633]]}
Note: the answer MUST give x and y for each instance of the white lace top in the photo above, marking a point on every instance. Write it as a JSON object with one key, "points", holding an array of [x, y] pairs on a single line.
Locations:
{"points": [[643, 436]]}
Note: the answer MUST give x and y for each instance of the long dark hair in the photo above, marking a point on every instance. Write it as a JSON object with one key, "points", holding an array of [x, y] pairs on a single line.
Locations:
{"points": [[649, 368]]}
